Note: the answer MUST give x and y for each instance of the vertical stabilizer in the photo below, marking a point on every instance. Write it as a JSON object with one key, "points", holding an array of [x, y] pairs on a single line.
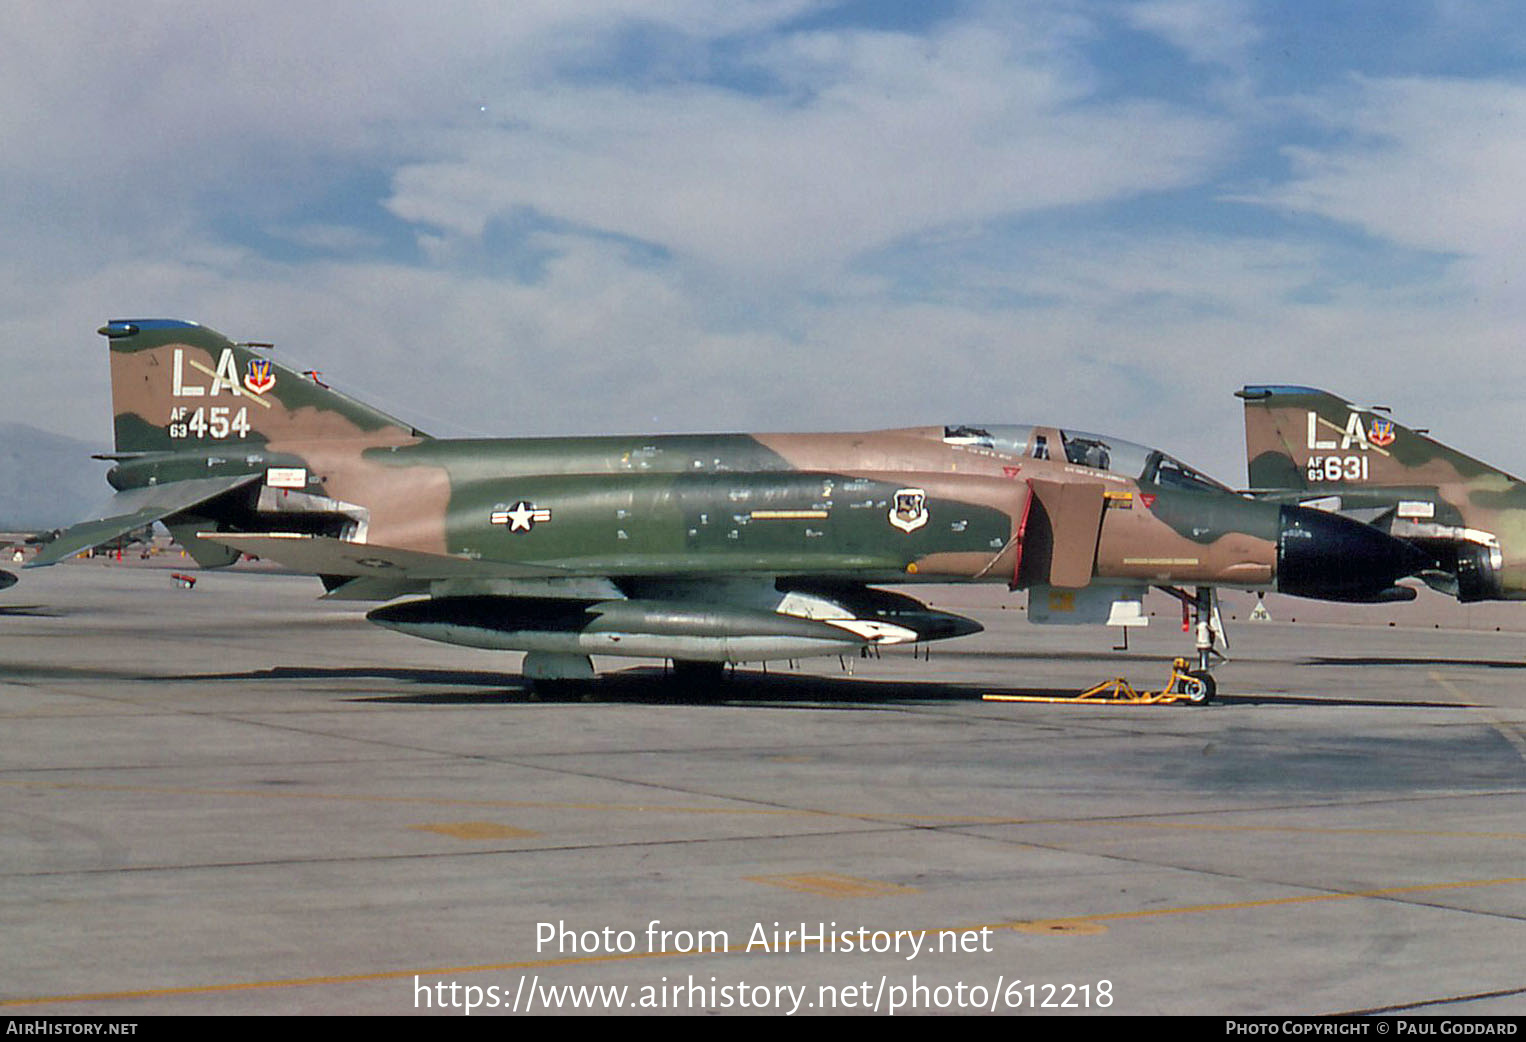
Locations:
{"points": [[177, 385], [1307, 439]]}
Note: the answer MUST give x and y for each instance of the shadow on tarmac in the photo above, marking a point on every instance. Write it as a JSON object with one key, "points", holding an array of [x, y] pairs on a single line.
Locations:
{"points": [[1378, 660], [654, 685], [41, 611]]}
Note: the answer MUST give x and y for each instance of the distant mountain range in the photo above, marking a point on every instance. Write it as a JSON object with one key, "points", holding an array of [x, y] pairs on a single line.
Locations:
{"points": [[47, 480]]}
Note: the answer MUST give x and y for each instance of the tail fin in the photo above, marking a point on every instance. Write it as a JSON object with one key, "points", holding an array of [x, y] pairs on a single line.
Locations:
{"points": [[177, 385], [1307, 439]]}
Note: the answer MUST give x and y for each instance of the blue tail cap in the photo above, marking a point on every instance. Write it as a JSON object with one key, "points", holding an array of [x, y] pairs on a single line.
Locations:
{"points": [[1253, 392]]}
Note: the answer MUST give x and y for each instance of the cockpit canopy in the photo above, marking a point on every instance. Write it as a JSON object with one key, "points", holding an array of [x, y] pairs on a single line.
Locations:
{"points": [[1097, 451]]}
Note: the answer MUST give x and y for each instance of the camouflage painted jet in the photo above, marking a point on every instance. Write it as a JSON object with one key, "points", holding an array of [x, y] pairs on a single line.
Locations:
{"points": [[1310, 447], [703, 549]]}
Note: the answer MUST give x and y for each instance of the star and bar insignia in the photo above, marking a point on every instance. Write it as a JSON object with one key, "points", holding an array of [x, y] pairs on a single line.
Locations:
{"points": [[521, 517]]}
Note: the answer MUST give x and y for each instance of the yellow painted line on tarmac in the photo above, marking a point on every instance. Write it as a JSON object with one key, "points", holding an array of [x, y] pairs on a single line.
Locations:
{"points": [[1081, 924], [886, 816], [1297, 830], [829, 884], [1509, 730], [1274, 902], [1091, 924], [428, 801], [476, 830], [1058, 927], [346, 978]]}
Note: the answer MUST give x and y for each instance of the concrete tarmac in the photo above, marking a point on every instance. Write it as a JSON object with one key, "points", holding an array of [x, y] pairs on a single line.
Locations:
{"points": [[240, 799]]}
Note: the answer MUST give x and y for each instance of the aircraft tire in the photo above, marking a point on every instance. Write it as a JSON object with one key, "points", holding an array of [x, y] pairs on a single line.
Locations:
{"points": [[1200, 688], [560, 690], [690, 673]]}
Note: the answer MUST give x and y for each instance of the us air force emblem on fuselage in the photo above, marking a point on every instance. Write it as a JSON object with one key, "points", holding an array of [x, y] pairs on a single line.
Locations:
{"points": [[908, 510], [521, 517]]}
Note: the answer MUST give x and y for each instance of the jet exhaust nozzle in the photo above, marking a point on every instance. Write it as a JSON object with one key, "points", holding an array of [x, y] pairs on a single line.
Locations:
{"points": [[1478, 573]]}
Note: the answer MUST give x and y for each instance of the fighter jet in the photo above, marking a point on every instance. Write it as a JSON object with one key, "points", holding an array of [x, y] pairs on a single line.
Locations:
{"points": [[1310, 447], [702, 549]]}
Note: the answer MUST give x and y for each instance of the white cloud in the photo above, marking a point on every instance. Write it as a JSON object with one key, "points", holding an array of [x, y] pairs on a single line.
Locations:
{"points": [[895, 135], [132, 116], [1434, 164], [1216, 32], [148, 153]]}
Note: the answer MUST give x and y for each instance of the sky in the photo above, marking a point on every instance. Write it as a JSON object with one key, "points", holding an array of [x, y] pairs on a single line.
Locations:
{"points": [[607, 216]]}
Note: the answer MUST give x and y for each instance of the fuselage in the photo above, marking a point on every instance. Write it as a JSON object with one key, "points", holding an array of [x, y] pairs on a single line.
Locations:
{"points": [[905, 505]]}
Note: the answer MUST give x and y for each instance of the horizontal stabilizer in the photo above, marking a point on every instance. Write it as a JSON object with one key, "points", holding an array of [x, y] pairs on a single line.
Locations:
{"points": [[324, 555], [133, 509]]}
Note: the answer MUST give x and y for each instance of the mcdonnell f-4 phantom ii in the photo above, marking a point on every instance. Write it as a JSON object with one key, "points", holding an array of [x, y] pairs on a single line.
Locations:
{"points": [[1310, 447], [702, 549]]}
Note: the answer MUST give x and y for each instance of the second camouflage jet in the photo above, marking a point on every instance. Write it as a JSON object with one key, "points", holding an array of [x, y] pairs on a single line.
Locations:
{"points": [[703, 549], [1311, 447]]}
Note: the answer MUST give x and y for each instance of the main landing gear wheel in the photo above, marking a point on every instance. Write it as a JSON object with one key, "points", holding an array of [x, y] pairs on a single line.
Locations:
{"points": [[689, 673]]}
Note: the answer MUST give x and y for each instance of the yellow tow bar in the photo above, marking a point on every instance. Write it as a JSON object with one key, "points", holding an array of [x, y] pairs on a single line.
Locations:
{"points": [[1184, 686]]}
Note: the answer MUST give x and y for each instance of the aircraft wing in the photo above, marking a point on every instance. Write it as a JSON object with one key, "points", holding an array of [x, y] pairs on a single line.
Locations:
{"points": [[134, 508], [324, 555]]}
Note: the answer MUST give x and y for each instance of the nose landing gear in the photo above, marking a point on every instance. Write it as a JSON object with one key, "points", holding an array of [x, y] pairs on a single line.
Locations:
{"points": [[1200, 614]]}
